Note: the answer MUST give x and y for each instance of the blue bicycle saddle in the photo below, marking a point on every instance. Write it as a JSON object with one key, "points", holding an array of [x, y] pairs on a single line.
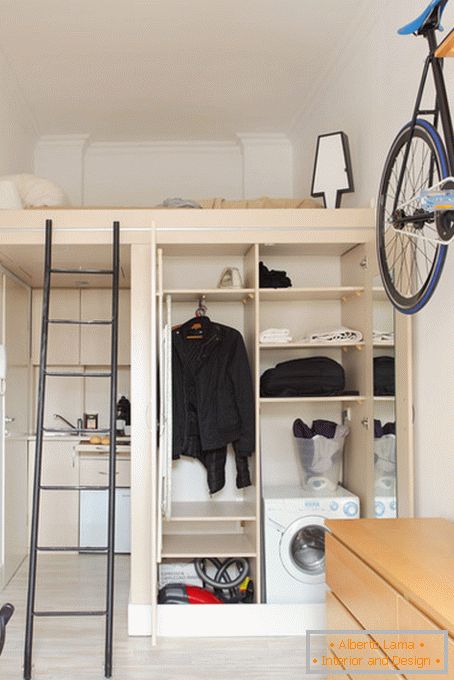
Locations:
{"points": [[417, 24]]}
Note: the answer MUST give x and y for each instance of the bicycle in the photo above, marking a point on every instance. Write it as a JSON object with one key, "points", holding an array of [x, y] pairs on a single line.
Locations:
{"points": [[6, 613], [415, 213]]}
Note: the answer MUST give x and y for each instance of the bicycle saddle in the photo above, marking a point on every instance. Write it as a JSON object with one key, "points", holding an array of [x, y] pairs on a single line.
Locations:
{"points": [[430, 18]]}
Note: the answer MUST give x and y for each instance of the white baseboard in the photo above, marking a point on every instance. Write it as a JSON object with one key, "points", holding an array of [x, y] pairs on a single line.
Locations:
{"points": [[251, 620], [140, 617]]}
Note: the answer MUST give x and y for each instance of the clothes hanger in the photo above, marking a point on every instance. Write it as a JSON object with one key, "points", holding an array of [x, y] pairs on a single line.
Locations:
{"points": [[197, 326]]}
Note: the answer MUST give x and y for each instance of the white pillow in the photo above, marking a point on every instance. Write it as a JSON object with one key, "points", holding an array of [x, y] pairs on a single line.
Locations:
{"points": [[37, 192]]}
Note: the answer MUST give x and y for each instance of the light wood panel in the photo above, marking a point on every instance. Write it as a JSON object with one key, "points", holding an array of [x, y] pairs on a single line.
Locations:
{"points": [[410, 618], [365, 593], [446, 48], [340, 618], [300, 294], [414, 555], [207, 545], [212, 294], [212, 511]]}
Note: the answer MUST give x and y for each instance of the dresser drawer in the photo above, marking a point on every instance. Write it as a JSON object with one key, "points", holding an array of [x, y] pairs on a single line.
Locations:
{"points": [[95, 472], [411, 618], [339, 618], [371, 600]]}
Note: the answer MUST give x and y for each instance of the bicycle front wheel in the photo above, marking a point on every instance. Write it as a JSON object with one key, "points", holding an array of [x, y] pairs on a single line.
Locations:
{"points": [[410, 257]]}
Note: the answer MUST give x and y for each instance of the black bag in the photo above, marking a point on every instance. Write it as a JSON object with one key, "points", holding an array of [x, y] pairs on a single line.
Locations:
{"points": [[312, 377], [384, 377]]}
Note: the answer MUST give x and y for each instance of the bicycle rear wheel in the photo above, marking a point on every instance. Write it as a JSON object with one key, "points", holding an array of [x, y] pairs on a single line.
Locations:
{"points": [[410, 258]]}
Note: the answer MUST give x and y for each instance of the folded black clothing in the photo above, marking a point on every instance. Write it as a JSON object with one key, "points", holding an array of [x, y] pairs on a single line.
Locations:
{"points": [[384, 376], [324, 428], [313, 376], [382, 430], [273, 278]]}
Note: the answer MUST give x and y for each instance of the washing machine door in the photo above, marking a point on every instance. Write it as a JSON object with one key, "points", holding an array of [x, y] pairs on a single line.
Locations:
{"points": [[302, 549]]}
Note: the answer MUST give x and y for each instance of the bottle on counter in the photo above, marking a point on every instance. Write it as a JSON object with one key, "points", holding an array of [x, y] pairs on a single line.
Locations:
{"points": [[123, 415]]}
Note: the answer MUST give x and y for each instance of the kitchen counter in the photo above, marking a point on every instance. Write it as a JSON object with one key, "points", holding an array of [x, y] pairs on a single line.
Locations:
{"points": [[84, 448], [415, 556]]}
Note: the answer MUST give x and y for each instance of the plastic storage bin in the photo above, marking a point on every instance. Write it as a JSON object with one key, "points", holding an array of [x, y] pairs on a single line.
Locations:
{"points": [[385, 463], [320, 460]]}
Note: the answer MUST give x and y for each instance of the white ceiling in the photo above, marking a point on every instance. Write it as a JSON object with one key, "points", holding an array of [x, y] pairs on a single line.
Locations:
{"points": [[171, 69]]}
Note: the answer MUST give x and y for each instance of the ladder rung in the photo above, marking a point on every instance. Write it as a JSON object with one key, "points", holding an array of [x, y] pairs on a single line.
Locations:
{"points": [[70, 548], [73, 488], [74, 374], [60, 270], [68, 613], [91, 322], [59, 430]]}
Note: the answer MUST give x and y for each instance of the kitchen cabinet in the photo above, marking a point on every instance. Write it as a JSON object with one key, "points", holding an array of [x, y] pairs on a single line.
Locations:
{"points": [[59, 514], [81, 345], [64, 341], [96, 303]]}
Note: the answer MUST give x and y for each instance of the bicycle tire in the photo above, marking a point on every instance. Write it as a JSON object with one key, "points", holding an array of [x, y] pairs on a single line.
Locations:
{"points": [[389, 240]]}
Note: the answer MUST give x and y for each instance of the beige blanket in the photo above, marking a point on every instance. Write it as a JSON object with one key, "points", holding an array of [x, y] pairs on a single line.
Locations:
{"points": [[263, 202]]}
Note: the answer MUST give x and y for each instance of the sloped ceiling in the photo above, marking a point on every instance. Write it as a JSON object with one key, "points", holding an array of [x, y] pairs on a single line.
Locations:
{"points": [[171, 69]]}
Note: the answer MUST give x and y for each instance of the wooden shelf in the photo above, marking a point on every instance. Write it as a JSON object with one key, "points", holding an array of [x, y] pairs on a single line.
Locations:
{"points": [[211, 294], [384, 398], [296, 400], [213, 511], [379, 293], [299, 294], [207, 545], [384, 343], [311, 345]]}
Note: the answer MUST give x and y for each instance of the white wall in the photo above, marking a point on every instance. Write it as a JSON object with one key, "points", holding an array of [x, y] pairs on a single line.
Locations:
{"points": [[145, 173], [17, 130], [370, 95]]}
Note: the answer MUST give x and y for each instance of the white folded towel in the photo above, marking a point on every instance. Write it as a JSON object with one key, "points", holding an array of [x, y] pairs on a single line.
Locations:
{"points": [[339, 336], [276, 335], [383, 336]]}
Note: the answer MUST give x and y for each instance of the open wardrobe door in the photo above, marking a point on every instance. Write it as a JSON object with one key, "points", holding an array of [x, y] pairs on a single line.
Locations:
{"points": [[165, 419]]}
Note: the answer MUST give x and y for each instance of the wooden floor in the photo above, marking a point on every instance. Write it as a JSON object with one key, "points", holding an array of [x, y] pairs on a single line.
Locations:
{"points": [[73, 649]]}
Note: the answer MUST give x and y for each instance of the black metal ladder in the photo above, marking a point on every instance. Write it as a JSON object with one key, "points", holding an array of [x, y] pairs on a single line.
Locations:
{"points": [[38, 487]]}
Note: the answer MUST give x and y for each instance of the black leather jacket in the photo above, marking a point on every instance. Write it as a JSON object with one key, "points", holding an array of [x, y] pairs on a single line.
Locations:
{"points": [[213, 397]]}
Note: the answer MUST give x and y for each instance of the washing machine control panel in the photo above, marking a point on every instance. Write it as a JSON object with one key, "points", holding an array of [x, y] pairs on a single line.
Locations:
{"points": [[334, 506]]}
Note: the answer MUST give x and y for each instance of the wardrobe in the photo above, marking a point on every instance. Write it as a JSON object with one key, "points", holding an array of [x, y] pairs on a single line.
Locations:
{"points": [[174, 260]]}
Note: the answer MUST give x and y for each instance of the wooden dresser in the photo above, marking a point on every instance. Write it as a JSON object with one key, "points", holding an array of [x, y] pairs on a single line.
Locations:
{"points": [[392, 574]]}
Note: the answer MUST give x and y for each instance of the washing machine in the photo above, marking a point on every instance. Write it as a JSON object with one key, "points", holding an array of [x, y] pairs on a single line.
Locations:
{"points": [[294, 537], [385, 507]]}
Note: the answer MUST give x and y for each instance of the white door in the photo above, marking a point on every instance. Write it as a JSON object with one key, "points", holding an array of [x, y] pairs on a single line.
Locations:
{"points": [[15, 314]]}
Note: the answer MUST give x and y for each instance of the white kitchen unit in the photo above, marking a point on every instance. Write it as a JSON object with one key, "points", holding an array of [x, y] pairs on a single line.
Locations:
{"points": [[93, 520]]}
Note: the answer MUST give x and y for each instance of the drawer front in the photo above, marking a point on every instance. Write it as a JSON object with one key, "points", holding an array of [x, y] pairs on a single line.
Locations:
{"points": [[95, 472], [338, 617], [371, 600], [411, 618]]}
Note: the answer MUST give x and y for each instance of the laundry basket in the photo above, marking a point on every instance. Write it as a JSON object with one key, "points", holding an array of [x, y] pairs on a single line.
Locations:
{"points": [[385, 463], [319, 460]]}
